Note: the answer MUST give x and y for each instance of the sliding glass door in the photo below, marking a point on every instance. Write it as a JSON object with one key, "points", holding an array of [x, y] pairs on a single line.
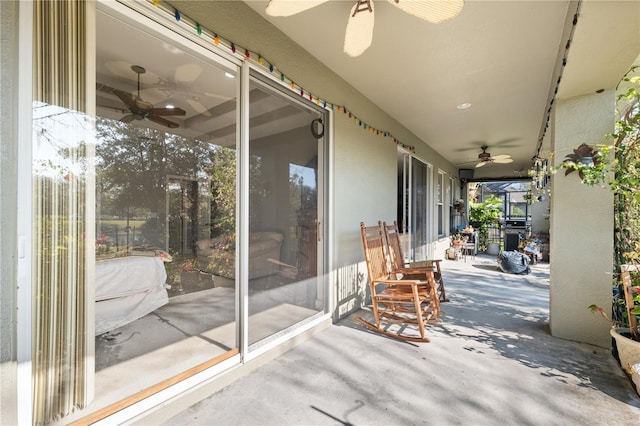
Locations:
{"points": [[165, 164], [149, 239], [285, 211], [416, 207]]}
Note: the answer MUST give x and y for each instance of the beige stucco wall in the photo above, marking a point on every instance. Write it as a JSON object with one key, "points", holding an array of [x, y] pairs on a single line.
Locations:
{"points": [[540, 214], [581, 225]]}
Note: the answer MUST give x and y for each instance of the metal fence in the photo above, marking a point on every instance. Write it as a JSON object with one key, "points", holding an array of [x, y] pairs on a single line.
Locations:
{"points": [[495, 234]]}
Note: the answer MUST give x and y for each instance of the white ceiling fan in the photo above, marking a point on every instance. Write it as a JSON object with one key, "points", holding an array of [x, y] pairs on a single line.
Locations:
{"points": [[485, 157], [359, 32]]}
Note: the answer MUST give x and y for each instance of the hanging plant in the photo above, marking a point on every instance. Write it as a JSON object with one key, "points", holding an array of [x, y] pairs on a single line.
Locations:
{"points": [[589, 162]]}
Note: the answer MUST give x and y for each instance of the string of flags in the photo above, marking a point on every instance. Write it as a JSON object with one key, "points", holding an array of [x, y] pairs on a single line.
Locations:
{"points": [[563, 65], [540, 170], [257, 58]]}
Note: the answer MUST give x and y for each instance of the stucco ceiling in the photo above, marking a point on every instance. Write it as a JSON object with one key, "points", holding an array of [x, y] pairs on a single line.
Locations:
{"points": [[503, 57]]}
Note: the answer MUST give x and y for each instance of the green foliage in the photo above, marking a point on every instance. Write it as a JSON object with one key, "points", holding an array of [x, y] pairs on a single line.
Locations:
{"points": [[517, 211], [485, 213], [593, 172], [626, 182], [622, 174], [133, 164], [482, 215]]}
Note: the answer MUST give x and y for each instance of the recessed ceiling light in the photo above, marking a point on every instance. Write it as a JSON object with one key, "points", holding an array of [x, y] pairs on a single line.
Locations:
{"points": [[465, 105], [229, 75]]}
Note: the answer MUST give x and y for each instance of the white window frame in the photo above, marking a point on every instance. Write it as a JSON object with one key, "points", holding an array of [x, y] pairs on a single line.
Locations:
{"points": [[441, 192]]}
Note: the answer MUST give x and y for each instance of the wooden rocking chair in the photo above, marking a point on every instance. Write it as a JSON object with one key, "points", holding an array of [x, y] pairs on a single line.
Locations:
{"points": [[398, 264], [395, 300]]}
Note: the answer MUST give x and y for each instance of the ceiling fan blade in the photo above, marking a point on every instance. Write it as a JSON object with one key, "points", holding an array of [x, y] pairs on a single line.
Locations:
{"points": [[155, 95], [104, 88], [290, 7], [359, 32], [118, 107], [167, 111], [503, 160], [201, 109], [162, 121], [434, 11], [481, 164], [217, 96], [128, 118], [125, 97], [500, 157]]}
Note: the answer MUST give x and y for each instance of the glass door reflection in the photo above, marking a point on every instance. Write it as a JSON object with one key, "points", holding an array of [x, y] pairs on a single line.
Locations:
{"points": [[284, 203]]}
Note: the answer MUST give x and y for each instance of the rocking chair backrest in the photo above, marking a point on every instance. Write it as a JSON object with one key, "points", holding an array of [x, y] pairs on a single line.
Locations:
{"points": [[396, 257], [374, 251], [395, 248]]}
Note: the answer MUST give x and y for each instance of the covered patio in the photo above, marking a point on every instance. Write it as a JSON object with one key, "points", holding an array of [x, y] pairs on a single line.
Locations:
{"points": [[502, 92], [491, 360]]}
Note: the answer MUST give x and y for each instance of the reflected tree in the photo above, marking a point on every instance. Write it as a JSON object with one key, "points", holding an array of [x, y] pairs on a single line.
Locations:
{"points": [[133, 164]]}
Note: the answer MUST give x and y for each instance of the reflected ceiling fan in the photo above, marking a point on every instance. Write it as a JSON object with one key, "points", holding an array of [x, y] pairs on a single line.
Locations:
{"points": [[140, 109], [485, 157], [359, 32]]}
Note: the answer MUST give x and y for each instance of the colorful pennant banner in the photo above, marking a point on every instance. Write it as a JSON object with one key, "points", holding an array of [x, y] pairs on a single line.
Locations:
{"points": [[257, 58]]}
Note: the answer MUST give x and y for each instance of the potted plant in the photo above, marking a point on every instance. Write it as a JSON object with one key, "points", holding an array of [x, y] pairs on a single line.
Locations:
{"points": [[626, 332], [456, 241]]}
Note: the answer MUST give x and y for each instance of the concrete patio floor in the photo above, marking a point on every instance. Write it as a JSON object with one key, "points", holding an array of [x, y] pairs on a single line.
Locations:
{"points": [[491, 361]]}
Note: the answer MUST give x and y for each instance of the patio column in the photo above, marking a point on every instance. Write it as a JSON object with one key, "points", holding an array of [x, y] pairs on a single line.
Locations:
{"points": [[581, 229]]}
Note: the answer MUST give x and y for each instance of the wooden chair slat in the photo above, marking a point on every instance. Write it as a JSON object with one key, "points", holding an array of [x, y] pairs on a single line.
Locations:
{"points": [[397, 263]]}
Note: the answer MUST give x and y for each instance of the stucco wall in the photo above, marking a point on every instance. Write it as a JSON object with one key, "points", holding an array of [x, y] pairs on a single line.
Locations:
{"points": [[540, 215], [581, 225]]}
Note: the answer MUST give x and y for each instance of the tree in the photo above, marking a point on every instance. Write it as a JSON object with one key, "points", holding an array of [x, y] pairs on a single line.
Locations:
{"points": [[133, 164]]}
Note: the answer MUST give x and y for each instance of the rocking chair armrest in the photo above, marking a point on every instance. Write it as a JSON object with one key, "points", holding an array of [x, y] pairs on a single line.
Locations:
{"points": [[399, 282], [428, 263], [413, 270]]}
